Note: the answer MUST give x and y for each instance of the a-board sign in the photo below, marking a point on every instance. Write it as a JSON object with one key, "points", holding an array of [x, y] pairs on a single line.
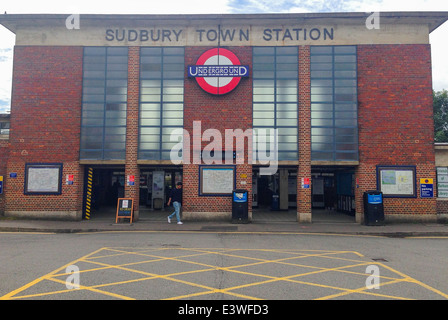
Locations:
{"points": [[125, 209]]}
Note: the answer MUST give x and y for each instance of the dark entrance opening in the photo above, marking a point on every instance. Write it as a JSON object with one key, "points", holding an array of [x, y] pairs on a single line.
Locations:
{"points": [[102, 188], [333, 194], [274, 196], [155, 187]]}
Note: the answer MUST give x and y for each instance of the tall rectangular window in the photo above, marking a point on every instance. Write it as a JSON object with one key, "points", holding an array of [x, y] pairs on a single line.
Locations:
{"points": [[334, 103], [275, 96], [104, 103], [161, 100]]}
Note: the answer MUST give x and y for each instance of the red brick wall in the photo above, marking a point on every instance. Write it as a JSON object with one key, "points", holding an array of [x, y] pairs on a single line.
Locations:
{"points": [[442, 207], [45, 123], [304, 171], [230, 111], [395, 119], [4, 152], [131, 167]]}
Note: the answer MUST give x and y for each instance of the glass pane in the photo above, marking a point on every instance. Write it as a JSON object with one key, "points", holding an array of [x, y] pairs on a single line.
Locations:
{"points": [[150, 122], [150, 146], [89, 154], [322, 139], [322, 122], [345, 49], [149, 155], [321, 66], [321, 74], [172, 122], [287, 107], [321, 131], [288, 59], [321, 115], [263, 122], [146, 138], [150, 131], [322, 90], [287, 139], [320, 59], [323, 156], [263, 59], [264, 84], [263, 98], [350, 58], [284, 156], [114, 155], [94, 51], [321, 147], [150, 107], [287, 50], [321, 50], [346, 156], [263, 50], [150, 51], [321, 97], [264, 115]]}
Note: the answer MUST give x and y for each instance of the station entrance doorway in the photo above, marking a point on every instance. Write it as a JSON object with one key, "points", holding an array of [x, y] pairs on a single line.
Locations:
{"points": [[333, 194], [155, 187], [274, 196], [102, 188]]}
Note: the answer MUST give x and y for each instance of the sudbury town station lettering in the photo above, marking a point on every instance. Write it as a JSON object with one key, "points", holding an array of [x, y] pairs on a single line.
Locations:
{"points": [[173, 35]]}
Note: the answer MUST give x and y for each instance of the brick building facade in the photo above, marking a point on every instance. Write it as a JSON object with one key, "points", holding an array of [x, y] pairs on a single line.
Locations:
{"points": [[352, 106]]}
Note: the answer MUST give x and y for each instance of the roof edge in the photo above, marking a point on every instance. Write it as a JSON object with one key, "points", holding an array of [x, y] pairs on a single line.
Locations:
{"points": [[434, 18]]}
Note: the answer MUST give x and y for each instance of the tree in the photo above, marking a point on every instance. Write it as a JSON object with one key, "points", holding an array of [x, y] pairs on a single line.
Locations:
{"points": [[440, 116]]}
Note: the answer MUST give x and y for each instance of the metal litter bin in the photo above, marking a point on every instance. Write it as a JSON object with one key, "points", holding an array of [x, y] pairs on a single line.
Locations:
{"points": [[373, 208], [240, 206], [275, 204]]}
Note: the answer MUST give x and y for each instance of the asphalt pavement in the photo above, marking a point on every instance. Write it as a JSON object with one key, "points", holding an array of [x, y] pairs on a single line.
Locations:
{"points": [[392, 229]]}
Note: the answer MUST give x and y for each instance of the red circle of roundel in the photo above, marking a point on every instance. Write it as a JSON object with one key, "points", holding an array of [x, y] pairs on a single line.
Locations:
{"points": [[226, 88]]}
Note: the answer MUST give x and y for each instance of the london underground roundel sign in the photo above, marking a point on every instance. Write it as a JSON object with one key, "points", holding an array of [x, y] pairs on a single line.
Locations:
{"points": [[218, 71]]}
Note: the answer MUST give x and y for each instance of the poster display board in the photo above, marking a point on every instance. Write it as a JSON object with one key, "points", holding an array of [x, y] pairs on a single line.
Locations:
{"points": [[397, 181], [216, 180], [43, 178], [125, 209], [442, 182]]}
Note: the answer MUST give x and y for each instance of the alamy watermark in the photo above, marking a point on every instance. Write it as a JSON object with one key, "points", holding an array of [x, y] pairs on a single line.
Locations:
{"points": [[73, 21], [373, 280], [262, 147], [373, 21], [73, 280]]}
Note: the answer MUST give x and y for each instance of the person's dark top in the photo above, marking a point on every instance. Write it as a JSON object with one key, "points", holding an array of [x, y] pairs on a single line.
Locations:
{"points": [[176, 195]]}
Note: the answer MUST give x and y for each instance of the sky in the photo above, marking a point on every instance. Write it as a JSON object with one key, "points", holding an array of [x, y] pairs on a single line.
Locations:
{"points": [[438, 39]]}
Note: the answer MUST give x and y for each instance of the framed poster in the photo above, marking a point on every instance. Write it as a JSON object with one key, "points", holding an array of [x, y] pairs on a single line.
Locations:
{"points": [[43, 178], [442, 182], [216, 180], [397, 181]]}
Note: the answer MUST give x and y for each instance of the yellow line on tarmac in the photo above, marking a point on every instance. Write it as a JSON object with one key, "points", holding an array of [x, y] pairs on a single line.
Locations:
{"points": [[360, 290], [428, 237], [32, 283], [21, 232], [417, 282]]}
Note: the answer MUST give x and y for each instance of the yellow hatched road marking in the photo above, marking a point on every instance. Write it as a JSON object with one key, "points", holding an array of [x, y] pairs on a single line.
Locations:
{"points": [[32, 283], [157, 255]]}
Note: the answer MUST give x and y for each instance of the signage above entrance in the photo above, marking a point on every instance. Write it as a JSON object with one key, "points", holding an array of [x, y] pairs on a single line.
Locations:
{"points": [[218, 71]]}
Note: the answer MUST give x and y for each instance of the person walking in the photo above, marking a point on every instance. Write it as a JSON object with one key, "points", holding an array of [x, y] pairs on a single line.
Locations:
{"points": [[176, 198]]}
